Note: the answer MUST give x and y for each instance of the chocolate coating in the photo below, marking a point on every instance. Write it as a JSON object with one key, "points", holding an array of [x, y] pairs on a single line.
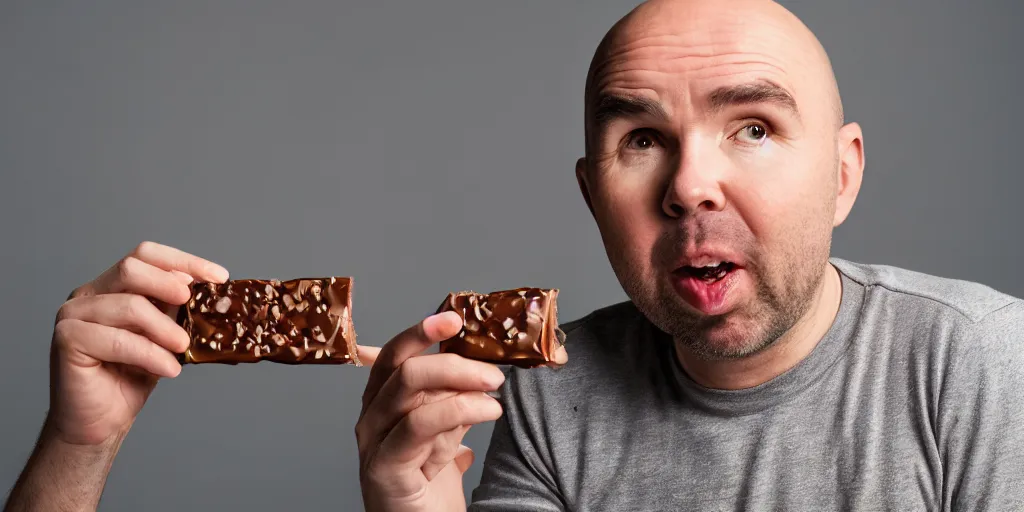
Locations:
{"points": [[517, 327], [301, 321]]}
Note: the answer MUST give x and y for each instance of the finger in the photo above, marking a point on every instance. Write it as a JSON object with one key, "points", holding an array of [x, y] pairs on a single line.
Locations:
{"points": [[407, 388], [128, 311], [169, 259], [367, 354], [371, 429], [445, 450], [442, 453], [464, 458], [561, 356], [409, 444], [183, 277], [132, 275], [172, 309], [89, 344], [433, 329]]}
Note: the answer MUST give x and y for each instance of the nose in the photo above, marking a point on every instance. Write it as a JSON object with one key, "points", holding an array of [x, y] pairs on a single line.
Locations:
{"points": [[694, 185]]}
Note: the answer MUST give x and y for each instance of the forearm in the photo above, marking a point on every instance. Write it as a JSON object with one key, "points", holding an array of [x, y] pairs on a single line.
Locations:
{"points": [[63, 477]]}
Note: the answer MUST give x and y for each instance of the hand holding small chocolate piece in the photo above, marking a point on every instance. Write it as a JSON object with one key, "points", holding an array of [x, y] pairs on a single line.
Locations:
{"points": [[517, 327], [301, 321]]}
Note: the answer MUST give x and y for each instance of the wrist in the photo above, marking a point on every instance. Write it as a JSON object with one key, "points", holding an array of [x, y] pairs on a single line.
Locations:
{"points": [[53, 439], [64, 476]]}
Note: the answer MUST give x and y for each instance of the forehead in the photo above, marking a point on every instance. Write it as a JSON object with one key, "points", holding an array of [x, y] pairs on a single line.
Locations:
{"points": [[678, 56]]}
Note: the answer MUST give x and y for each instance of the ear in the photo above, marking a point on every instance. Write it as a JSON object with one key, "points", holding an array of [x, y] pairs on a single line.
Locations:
{"points": [[850, 170], [581, 179]]}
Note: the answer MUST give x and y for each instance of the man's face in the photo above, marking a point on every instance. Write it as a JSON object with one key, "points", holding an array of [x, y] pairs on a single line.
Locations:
{"points": [[712, 173]]}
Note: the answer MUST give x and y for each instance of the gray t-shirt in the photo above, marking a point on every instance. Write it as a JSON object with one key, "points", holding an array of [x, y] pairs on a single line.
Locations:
{"points": [[913, 400]]}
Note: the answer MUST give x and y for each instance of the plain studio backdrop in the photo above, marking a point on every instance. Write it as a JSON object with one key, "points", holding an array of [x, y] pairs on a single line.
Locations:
{"points": [[421, 147]]}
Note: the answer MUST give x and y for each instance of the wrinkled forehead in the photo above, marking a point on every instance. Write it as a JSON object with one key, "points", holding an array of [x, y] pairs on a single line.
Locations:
{"points": [[679, 56]]}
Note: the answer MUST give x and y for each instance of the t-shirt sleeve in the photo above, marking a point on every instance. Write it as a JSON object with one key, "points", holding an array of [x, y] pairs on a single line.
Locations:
{"points": [[517, 475], [981, 416]]}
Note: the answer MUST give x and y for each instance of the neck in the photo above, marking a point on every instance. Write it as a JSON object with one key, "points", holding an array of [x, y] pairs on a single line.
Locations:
{"points": [[781, 356]]}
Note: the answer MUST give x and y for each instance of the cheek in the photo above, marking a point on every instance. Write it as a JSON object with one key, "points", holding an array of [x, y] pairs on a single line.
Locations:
{"points": [[784, 200], [627, 216]]}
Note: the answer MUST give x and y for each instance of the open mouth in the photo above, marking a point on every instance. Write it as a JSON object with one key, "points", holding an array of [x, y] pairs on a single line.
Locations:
{"points": [[711, 288], [708, 273]]}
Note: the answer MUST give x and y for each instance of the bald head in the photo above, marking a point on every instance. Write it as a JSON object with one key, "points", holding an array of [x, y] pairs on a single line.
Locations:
{"points": [[705, 29]]}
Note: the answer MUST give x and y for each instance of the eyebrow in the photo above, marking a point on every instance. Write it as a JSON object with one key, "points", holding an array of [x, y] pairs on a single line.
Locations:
{"points": [[612, 107], [751, 93]]}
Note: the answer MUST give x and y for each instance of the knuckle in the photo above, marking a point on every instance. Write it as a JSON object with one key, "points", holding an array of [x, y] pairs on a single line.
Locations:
{"points": [[119, 345], [462, 405], [127, 267], [63, 312], [360, 432], [76, 293], [144, 247], [64, 332], [407, 376], [418, 424], [135, 306]]}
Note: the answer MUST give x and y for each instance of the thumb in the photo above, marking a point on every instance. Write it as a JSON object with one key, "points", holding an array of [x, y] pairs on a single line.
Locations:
{"points": [[464, 458]]}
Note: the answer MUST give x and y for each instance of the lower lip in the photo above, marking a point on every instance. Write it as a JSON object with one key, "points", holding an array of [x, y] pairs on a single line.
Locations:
{"points": [[710, 298]]}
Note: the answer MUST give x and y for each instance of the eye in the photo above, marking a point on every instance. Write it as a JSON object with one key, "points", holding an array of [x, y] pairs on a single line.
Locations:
{"points": [[754, 133], [641, 140]]}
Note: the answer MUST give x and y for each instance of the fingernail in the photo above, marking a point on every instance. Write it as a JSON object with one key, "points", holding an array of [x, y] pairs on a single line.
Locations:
{"points": [[495, 379], [219, 273], [495, 408], [183, 277]]}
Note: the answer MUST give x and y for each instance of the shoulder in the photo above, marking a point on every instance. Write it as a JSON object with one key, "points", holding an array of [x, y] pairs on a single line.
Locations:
{"points": [[953, 320], [970, 300]]}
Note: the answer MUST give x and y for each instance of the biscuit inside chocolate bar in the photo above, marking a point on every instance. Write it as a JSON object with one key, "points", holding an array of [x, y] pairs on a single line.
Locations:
{"points": [[300, 321], [517, 327]]}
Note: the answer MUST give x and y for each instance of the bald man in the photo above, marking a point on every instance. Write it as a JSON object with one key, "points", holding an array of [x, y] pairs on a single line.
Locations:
{"points": [[750, 370]]}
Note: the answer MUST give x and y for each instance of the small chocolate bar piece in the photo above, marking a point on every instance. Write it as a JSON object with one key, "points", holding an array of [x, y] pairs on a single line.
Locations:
{"points": [[301, 321], [515, 327]]}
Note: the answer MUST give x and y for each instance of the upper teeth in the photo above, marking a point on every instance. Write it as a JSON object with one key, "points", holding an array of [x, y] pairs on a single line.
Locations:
{"points": [[712, 264]]}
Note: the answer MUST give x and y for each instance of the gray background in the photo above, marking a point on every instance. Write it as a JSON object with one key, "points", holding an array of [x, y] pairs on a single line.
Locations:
{"points": [[421, 147]]}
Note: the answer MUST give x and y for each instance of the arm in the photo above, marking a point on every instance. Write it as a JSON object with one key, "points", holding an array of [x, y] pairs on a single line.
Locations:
{"points": [[981, 416], [111, 344], [82, 469], [515, 475]]}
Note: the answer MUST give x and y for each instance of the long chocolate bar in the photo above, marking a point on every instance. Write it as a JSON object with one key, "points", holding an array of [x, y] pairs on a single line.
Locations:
{"points": [[301, 321], [517, 327]]}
